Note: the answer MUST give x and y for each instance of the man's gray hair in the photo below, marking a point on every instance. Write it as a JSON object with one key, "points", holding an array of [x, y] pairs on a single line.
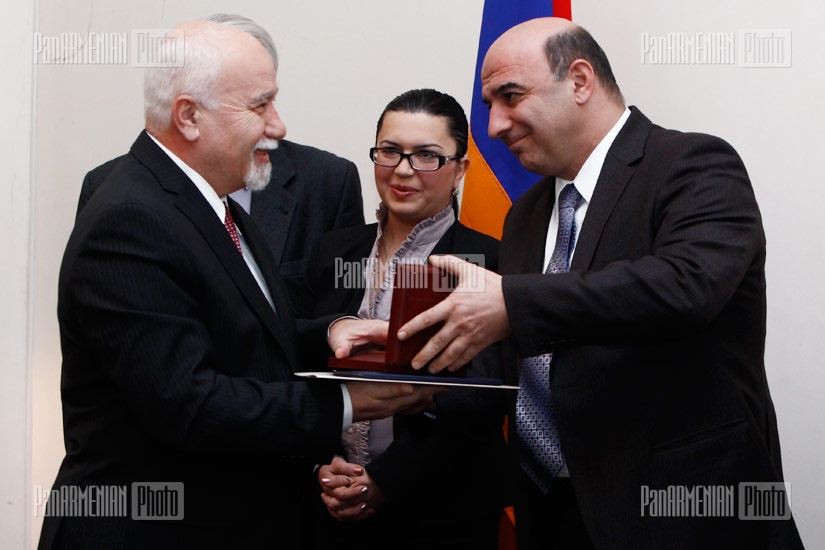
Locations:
{"points": [[244, 24], [195, 75], [198, 74]]}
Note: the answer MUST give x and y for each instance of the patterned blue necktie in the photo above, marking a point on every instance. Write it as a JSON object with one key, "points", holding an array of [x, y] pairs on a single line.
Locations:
{"points": [[541, 456]]}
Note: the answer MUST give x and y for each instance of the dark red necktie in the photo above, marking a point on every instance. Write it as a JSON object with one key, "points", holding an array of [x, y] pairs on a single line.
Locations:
{"points": [[230, 226]]}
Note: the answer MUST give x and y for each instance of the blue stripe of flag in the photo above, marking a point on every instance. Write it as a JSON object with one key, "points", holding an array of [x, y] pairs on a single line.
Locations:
{"points": [[498, 16]]}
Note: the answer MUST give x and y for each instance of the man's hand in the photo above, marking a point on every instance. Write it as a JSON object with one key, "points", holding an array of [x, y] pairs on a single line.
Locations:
{"points": [[372, 400], [349, 493], [474, 317], [347, 334]]}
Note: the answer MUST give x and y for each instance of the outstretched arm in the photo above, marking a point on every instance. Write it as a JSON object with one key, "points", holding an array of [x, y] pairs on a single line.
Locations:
{"points": [[474, 317]]}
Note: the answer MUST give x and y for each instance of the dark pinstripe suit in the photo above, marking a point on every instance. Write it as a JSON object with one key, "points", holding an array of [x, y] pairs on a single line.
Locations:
{"points": [[658, 334], [175, 368]]}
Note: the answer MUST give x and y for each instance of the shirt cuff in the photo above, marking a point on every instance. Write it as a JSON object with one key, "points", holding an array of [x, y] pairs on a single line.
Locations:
{"points": [[347, 408], [339, 319]]}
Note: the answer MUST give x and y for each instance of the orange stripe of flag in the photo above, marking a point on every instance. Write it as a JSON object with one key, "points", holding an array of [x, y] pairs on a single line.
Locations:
{"points": [[484, 203]]}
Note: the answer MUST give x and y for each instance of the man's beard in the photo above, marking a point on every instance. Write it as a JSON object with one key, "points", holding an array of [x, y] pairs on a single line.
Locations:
{"points": [[257, 177]]}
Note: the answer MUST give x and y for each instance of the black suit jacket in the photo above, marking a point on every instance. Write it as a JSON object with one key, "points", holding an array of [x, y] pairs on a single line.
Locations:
{"points": [[310, 192], [176, 368], [424, 472], [657, 334]]}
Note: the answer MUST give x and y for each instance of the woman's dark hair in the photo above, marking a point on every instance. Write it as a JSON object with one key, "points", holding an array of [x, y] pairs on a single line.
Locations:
{"points": [[432, 102]]}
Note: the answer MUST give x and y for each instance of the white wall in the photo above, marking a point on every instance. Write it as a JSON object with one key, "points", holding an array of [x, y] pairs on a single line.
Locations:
{"points": [[16, 27], [341, 61]]}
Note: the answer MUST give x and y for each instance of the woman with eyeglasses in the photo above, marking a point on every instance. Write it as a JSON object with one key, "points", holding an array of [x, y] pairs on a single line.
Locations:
{"points": [[434, 479]]}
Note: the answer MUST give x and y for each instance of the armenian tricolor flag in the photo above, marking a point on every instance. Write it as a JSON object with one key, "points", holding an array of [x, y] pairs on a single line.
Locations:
{"points": [[496, 178]]}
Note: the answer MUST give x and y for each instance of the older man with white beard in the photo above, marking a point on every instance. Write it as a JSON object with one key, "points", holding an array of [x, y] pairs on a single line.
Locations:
{"points": [[178, 341], [310, 191]]}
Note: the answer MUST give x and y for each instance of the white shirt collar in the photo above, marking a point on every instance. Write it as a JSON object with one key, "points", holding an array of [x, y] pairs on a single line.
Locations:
{"points": [[585, 184], [589, 173], [215, 201]]}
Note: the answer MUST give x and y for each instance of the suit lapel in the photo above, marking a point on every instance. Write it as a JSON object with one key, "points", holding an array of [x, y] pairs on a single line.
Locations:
{"points": [[254, 239], [446, 244], [618, 168], [273, 210], [194, 206], [349, 297], [530, 254]]}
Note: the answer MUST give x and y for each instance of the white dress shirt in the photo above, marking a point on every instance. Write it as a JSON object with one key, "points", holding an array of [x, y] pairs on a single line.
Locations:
{"points": [[585, 182]]}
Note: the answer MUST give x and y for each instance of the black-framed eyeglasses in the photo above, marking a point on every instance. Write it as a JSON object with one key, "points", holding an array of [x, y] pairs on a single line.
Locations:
{"points": [[422, 161]]}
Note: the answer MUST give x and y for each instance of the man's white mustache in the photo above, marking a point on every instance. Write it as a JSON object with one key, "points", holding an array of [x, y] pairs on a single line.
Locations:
{"points": [[266, 143]]}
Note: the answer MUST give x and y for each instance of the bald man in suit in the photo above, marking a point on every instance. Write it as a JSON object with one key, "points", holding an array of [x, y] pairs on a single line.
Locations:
{"points": [[632, 304]]}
